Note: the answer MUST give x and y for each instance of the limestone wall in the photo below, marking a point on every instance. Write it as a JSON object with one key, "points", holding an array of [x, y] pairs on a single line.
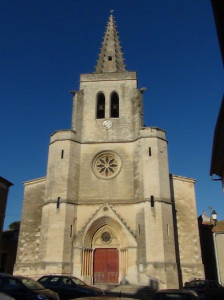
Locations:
{"points": [[63, 168], [219, 246], [187, 235], [93, 189], [124, 128], [29, 237]]}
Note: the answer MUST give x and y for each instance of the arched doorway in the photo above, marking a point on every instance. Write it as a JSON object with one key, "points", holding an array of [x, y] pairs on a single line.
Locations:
{"points": [[101, 252], [106, 266]]}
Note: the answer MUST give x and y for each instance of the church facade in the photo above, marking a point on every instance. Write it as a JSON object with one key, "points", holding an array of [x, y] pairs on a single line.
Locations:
{"points": [[108, 211]]}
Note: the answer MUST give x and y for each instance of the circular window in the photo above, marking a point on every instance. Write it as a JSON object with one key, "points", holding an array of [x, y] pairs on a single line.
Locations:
{"points": [[106, 237], [106, 165]]}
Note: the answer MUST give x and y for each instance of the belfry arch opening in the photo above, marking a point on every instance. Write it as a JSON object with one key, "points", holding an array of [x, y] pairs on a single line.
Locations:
{"points": [[100, 106], [114, 105]]}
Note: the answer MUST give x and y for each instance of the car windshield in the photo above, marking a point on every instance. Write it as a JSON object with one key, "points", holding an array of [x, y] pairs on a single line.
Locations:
{"points": [[78, 281], [31, 284], [196, 284]]}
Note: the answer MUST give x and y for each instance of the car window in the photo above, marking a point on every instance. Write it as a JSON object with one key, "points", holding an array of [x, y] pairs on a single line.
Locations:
{"points": [[43, 279], [77, 281], [31, 284], [54, 281], [11, 284], [66, 281]]}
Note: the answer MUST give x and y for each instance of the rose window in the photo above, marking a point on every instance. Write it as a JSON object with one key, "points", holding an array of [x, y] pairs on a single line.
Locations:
{"points": [[106, 165], [106, 237]]}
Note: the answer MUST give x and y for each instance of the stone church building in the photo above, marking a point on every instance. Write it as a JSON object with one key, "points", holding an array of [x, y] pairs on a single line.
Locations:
{"points": [[108, 211]]}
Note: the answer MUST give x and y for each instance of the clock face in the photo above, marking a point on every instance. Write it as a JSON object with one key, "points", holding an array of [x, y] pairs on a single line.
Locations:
{"points": [[107, 124]]}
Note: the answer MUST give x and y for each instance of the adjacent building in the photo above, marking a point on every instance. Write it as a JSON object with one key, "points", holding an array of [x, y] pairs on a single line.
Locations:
{"points": [[217, 161], [4, 190], [108, 211], [212, 245], [8, 248]]}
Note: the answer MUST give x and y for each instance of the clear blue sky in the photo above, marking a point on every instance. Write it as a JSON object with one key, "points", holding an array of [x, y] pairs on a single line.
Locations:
{"points": [[46, 44]]}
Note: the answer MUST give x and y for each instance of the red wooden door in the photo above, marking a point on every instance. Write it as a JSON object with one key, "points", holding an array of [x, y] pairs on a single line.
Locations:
{"points": [[106, 266]]}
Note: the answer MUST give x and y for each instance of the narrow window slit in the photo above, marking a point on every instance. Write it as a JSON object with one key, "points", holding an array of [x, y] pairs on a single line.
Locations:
{"points": [[150, 151], [58, 202], [152, 201], [168, 229], [62, 154]]}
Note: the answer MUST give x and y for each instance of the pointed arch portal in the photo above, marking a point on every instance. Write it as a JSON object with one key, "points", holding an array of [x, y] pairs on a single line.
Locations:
{"points": [[104, 258]]}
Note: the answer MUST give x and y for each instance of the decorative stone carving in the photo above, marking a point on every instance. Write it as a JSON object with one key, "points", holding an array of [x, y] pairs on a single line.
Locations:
{"points": [[106, 165]]}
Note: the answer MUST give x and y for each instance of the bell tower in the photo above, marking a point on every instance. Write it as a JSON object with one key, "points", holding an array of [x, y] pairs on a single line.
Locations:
{"points": [[106, 108]]}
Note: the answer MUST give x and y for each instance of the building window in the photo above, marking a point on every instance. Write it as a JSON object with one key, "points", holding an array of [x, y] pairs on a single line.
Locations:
{"points": [[114, 105], [58, 202], [62, 154], [152, 201], [100, 109], [150, 151], [109, 58], [168, 229], [106, 165], [106, 237]]}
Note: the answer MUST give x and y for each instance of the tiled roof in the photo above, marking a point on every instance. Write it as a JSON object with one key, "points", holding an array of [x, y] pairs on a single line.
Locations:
{"points": [[219, 227]]}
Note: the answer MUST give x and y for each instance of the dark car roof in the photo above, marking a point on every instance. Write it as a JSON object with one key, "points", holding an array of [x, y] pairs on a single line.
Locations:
{"points": [[172, 291], [190, 293], [201, 281], [55, 275], [6, 275]]}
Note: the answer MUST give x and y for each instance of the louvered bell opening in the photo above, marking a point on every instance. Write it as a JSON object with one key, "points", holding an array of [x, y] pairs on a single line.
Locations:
{"points": [[100, 109], [114, 105]]}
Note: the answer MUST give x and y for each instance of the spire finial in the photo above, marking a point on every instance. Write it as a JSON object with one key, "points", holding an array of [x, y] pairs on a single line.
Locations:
{"points": [[111, 11]]}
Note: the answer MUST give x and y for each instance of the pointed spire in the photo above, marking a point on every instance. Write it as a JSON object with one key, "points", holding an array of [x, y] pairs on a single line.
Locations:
{"points": [[110, 57]]}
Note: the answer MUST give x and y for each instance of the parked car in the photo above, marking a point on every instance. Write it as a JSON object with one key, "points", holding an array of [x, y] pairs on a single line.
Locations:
{"points": [[69, 287], [175, 294], [5, 297], [206, 289], [105, 297], [23, 288]]}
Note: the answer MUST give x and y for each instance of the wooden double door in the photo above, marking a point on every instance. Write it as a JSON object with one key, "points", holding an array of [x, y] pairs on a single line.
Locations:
{"points": [[106, 266]]}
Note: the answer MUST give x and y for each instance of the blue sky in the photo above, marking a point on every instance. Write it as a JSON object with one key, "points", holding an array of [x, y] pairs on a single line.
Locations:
{"points": [[47, 44]]}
